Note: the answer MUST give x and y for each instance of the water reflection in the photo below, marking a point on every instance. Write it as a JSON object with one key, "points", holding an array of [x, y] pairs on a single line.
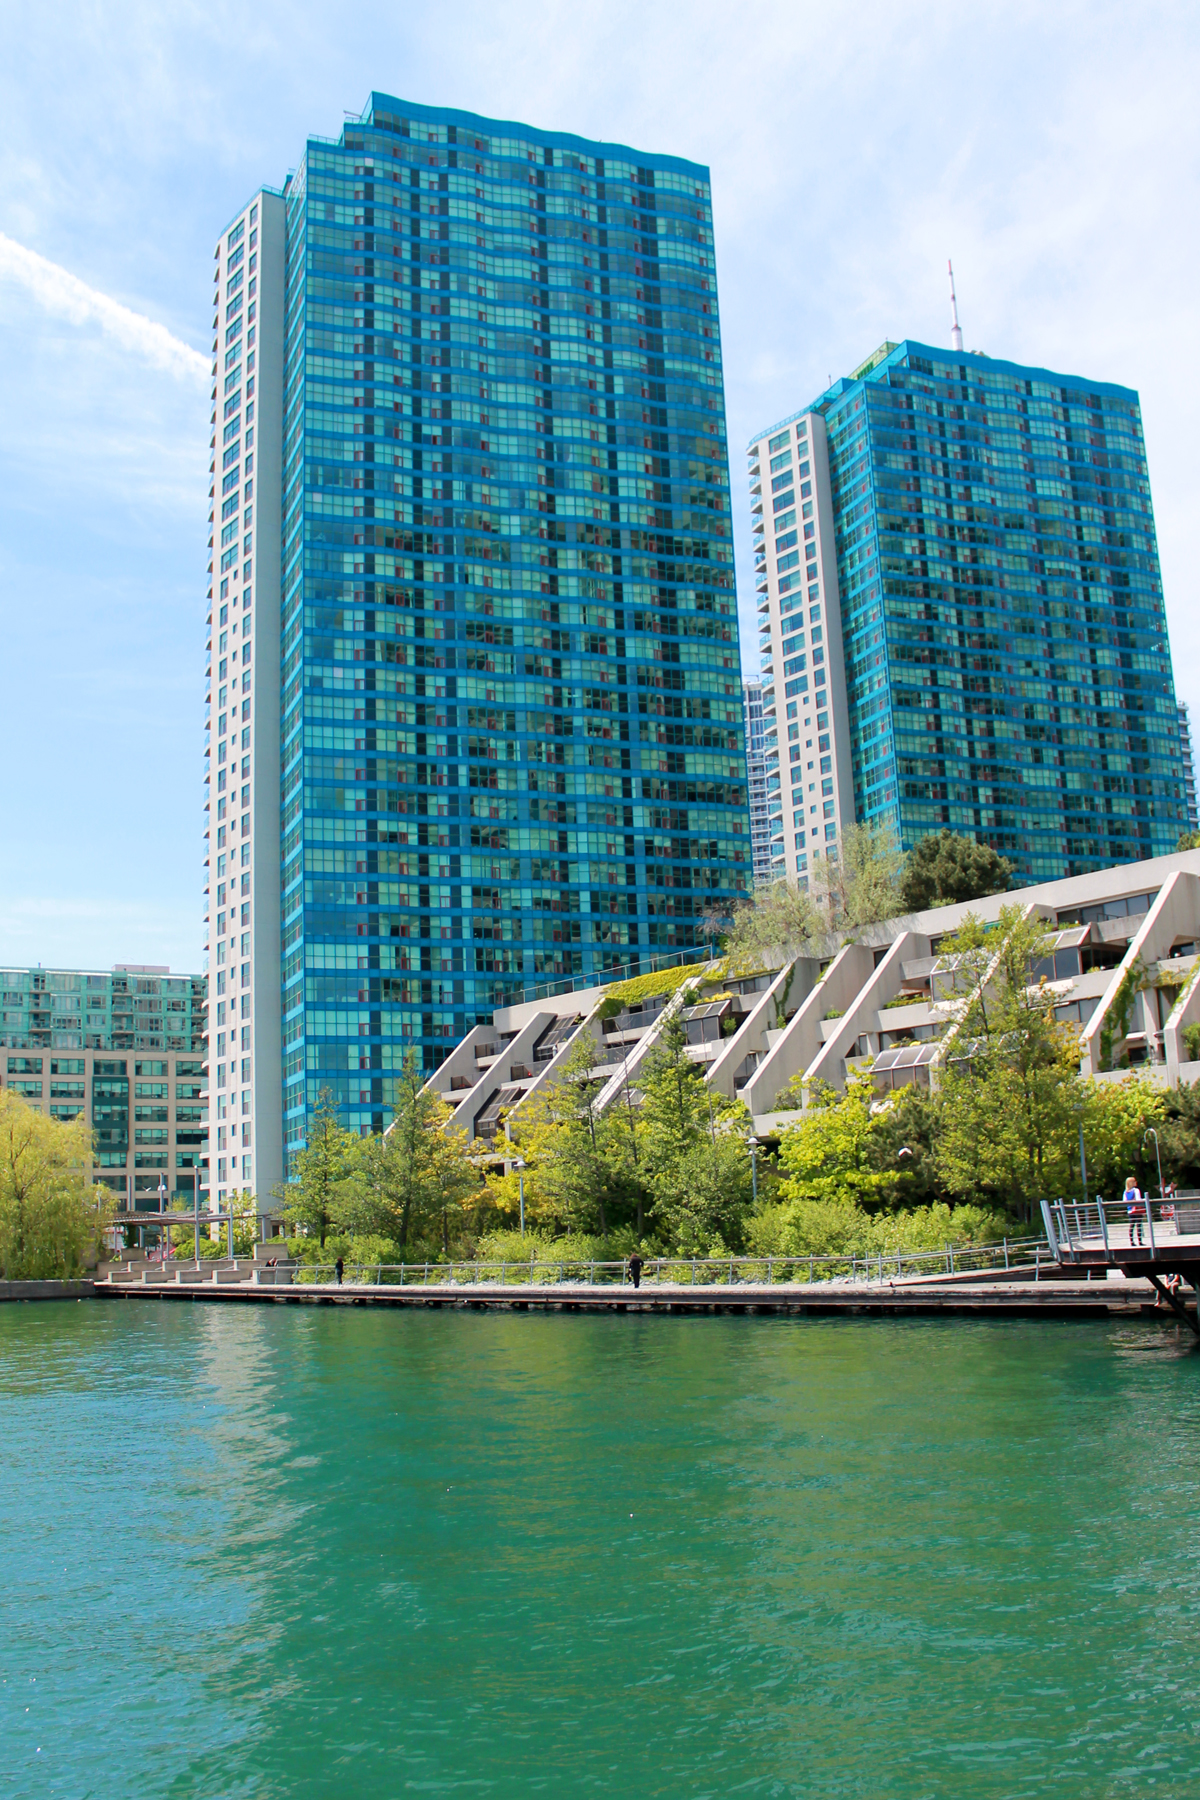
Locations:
{"points": [[313, 1552]]}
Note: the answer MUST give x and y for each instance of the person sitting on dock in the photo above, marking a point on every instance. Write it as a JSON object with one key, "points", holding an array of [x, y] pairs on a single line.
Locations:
{"points": [[1134, 1207]]}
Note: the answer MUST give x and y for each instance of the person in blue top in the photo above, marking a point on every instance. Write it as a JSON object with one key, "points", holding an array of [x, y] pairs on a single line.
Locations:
{"points": [[1135, 1207]]}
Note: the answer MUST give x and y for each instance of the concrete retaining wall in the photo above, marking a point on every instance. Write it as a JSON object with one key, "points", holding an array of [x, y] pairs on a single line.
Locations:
{"points": [[47, 1290]]}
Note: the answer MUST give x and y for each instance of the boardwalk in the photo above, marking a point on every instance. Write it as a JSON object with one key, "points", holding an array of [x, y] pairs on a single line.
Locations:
{"points": [[1007, 1299]]}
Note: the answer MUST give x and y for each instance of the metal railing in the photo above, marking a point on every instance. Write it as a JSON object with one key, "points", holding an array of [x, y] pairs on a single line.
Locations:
{"points": [[1109, 1227], [694, 1271]]}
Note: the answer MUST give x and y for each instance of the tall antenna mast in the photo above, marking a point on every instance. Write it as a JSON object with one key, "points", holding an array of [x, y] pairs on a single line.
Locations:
{"points": [[955, 329]]}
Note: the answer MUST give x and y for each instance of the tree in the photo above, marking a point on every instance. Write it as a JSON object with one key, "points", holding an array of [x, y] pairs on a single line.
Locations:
{"points": [[856, 1163], [243, 1204], [1116, 1116], [1188, 840], [329, 1158], [834, 1151], [946, 868], [904, 1140], [50, 1218], [703, 1198], [861, 885], [781, 917], [409, 1179], [1179, 1131], [584, 1167], [858, 886], [692, 1146], [1011, 1099]]}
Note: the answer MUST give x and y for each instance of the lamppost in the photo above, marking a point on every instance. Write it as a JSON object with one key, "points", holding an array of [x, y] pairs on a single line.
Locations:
{"points": [[519, 1166], [1151, 1132], [752, 1146]]}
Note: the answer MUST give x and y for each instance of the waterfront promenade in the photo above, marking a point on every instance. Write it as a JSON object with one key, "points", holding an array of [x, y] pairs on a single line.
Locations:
{"points": [[971, 1296]]}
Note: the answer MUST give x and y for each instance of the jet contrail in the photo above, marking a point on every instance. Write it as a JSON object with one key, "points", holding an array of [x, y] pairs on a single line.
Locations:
{"points": [[66, 296]]}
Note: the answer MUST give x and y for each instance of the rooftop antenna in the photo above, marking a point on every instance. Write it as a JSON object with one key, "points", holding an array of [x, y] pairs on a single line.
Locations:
{"points": [[955, 329]]}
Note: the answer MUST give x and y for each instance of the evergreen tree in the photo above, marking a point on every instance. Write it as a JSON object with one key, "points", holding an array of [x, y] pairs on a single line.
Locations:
{"points": [[409, 1181], [329, 1158], [693, 1148], [946, 868], [1180, 1132]]}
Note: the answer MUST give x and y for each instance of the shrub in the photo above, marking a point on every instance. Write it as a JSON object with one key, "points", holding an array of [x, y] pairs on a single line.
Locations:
{"points": [[830, 1228], [540, 1247], [641, 987]]}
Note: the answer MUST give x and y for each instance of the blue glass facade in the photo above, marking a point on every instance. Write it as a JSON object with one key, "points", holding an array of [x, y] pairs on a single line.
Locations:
{"points": [[1008, 673], [510, 701]]}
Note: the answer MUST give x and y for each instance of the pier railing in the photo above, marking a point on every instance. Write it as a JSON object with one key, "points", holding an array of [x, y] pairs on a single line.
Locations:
{"points": [[1109, 1227], [692, 1271]]}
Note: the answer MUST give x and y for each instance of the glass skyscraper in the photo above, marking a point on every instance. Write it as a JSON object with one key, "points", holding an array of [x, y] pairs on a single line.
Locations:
{"points": [[477, 706], [982, 533]]}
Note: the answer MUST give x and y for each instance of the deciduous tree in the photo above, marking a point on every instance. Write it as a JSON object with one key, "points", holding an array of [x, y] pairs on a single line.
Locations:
{"points": [[1010, 1099], [583, 1166], [50, 1218], [833, 1155]]}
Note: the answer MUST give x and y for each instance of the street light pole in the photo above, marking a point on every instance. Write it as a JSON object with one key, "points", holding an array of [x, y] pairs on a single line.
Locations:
{"points": [[752, 1143], [1151, 1132], [519, 1166]]}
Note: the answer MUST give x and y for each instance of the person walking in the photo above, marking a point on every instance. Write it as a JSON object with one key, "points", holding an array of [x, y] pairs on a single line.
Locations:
{"points": [[340, 1266], [636, 1265], [1135, 1208]]}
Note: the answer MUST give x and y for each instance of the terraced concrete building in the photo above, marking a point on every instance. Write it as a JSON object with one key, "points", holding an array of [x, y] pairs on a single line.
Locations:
{"points": [[888, 1001]]}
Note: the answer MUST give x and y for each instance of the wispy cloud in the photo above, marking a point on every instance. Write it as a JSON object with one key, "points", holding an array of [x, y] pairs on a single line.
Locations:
{"points": [[65, 296]]}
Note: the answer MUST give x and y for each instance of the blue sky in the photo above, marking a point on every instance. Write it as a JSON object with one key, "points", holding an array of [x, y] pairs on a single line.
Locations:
{"points": [[1053, 152]]}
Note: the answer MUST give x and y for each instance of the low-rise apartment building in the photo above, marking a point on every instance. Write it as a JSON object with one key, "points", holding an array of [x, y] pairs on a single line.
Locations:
{"points": [[1123, 958], [125, 1047]]}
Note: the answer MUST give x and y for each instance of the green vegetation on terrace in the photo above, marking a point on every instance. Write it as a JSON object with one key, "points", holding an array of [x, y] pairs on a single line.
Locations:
{"points": [[871, 880], [660, 981]]}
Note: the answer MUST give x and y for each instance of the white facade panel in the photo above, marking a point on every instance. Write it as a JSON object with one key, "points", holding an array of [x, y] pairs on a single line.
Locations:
{"points": [[810, 795], [245, 1048]]}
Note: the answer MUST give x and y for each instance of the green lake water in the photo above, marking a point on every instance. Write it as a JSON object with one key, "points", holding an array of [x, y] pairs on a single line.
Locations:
{"points": [[276, 1552]]}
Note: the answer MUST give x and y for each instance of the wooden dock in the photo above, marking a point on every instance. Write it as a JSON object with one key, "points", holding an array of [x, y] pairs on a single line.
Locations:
{"points": [[903, 1299]]}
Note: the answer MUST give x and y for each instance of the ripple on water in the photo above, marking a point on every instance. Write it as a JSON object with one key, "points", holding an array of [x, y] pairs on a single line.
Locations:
{"points": [[279, 1553]]}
